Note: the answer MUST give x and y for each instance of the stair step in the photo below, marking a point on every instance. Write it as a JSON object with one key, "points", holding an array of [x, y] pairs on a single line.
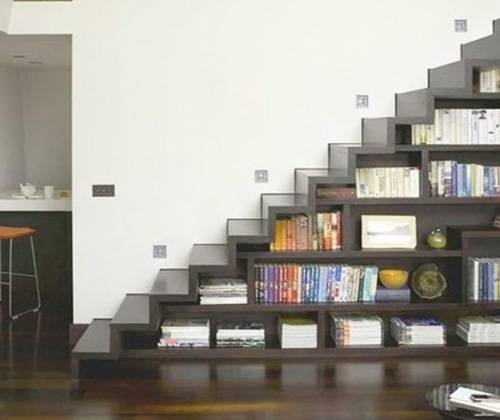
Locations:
{"points": [[96, 339], [284, 203], [133, 312], [171, 282], [247, 227], [209, 255]]}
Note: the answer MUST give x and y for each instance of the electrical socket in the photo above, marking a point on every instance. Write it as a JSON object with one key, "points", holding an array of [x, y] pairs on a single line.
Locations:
{"points": [[261, 176], [103, 190], [460, 25], [159, 251], [362, 101]]}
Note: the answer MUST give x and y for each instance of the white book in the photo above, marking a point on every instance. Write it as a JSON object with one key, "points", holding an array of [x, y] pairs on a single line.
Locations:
{"points": [[414, 182], [446, 126], [438, 126], [490, 116]]}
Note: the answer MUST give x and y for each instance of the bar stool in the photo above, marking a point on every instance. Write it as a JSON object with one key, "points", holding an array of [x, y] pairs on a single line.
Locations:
{"points": [[10, 234]]}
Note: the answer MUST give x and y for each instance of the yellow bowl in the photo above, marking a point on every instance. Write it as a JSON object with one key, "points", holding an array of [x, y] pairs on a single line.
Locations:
{"points": [[393, 279]]}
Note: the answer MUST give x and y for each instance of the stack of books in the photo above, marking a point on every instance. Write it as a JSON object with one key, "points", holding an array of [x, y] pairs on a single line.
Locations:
{"points": [[316, 232], [241, 334], [220, 291], [449, 178], [314, 283], [479, 329], [298, 332], [484, 282], [459, 126], [184, 333], [489, 81], [388, 182], [418, 332], [357, 330]]}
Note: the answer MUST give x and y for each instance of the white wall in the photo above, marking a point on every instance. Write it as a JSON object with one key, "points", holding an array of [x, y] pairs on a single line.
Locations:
{"points": [[12, 162], [176, 102], [46, 105]]}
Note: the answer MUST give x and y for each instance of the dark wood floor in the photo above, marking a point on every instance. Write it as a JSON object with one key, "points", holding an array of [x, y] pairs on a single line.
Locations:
{"points": [[35, 383]]}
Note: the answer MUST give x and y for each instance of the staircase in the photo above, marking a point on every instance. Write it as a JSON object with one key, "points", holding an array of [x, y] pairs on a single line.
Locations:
{"points": [[176, 289]]}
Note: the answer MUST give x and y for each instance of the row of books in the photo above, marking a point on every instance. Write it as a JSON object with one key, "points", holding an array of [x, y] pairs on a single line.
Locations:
{"points": [[357, 330], [314, 283], [483, 279], [459, 126], [388, 182], [479, 329], [220, 291], [489, 81], [301, 331], [316, 232], [449, 178]]}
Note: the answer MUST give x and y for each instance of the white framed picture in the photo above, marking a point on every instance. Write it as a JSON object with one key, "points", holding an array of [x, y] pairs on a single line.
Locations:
{"points": [[388, 232]]}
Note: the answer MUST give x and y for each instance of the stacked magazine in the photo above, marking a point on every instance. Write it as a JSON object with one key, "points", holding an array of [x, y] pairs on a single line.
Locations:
{"points": [[479, 329], [184, 333], [412, 331], [357, 330], [241, 334], [298, 332], [217, 291]]}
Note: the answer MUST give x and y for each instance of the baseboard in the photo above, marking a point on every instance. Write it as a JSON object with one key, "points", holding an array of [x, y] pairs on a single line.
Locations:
{"points": [[75, 332]]}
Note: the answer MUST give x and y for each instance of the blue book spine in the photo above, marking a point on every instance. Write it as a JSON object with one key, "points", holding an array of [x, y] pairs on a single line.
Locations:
{"points": [[307, 284], [491, 281], [468, 181], [486, 186], [316, 284], [454, 180]]}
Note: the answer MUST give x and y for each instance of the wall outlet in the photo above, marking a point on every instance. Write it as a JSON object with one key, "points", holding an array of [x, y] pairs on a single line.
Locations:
{"points": [[460, 25], [362, 101], [159, 251], [103, 190], [261, 176]]}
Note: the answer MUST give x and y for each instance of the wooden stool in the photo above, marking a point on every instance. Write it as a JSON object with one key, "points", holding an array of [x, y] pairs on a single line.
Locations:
{"points": [[11, 233]]}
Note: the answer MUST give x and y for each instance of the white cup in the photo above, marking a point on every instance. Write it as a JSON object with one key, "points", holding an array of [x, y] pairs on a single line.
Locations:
{"points": [[49, 191]]}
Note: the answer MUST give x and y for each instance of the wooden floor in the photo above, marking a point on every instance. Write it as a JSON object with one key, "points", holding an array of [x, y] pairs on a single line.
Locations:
{"points": [[35, 383]]}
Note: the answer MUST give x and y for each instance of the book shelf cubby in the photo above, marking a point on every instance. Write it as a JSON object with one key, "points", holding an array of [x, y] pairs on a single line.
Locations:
{"points": [[386, 142]]}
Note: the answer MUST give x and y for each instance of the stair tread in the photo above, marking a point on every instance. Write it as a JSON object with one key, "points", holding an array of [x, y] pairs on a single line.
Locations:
{"points": [[247, 227], [134, 310], [95, 339], [209, 255], [284, 200], [171, 282]]}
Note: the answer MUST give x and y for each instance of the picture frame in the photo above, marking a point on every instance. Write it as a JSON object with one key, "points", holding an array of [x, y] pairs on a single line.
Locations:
{"points": [[384, 231]]}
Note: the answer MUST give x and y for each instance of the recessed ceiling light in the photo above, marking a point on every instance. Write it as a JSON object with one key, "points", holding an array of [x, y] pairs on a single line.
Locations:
{"points": [[36, 62], [18, 56]]}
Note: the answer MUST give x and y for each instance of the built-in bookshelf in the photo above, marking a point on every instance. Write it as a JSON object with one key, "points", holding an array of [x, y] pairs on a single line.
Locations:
{"points": [[436, 160]]}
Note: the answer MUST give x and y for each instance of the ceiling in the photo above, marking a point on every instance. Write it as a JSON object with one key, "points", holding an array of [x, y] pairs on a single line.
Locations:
{"points": [[35, 51]]}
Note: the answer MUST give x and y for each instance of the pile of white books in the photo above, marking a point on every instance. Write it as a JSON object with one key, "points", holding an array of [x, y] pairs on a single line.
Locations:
{"points": [[184, 333], [241, 334], [481, 402], [357, 330], [388, 182], [298, 332], [489, 81], [479, 329], [217, 291], [418, 332], [459, 126]]}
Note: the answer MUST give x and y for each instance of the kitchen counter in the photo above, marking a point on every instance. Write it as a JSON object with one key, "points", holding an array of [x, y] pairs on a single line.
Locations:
{"points": [[7, 203]]}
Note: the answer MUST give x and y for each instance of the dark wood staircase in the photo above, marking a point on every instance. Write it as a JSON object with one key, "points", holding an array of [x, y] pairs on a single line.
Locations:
{"points": [[176, 290]]}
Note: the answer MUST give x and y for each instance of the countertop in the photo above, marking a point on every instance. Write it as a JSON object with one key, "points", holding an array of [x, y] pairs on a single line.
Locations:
{"points": [[8, 203]]}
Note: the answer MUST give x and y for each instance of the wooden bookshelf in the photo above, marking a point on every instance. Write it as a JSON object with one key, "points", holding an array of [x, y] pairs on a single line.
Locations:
{"points": [[133, 331]]}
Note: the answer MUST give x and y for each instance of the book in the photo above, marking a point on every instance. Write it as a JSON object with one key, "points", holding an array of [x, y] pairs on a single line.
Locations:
{"points": [[393, 295], [479, 329], [314, 283], [336, 192], [184, 333], [483, 282], [244, 334], [220, 291]]}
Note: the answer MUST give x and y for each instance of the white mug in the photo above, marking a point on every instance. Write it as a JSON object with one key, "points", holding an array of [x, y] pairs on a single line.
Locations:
{"points": [[49, 191]]}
